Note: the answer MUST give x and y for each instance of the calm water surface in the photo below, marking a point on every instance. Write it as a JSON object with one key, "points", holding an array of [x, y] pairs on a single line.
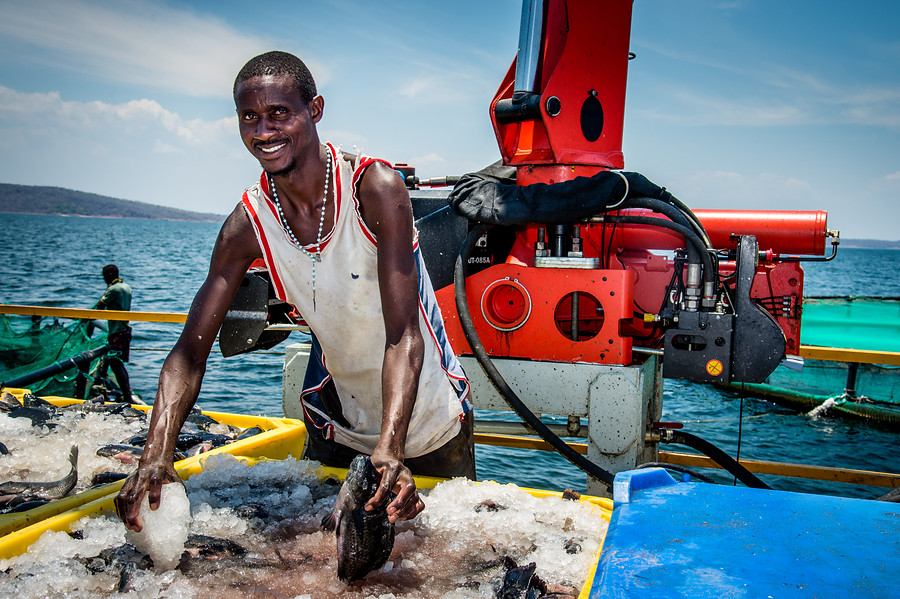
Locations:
{"points": [[56, 261]]}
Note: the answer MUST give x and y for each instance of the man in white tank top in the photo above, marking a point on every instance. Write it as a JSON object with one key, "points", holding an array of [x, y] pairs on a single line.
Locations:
{"points": [[337, 235]]}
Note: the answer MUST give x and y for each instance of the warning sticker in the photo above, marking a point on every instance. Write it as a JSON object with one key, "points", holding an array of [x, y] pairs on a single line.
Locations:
{"points": [[715, 367]]}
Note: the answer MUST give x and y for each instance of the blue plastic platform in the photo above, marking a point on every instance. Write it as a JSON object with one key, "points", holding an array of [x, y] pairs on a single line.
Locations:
{"points": [[670, 539]]}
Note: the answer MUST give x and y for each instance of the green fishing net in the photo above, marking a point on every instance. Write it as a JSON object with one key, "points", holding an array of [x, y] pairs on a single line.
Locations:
{"points": [[29, 343]]}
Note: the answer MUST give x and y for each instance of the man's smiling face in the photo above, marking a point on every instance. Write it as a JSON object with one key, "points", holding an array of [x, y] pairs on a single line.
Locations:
{"points": [[276, 125]]}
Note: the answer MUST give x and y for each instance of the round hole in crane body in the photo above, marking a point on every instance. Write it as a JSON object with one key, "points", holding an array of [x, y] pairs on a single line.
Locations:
{"points": [[506, 304], [588, 316]]}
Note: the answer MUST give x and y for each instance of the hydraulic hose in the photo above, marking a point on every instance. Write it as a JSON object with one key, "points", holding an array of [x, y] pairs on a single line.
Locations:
{"points": [[674, 213], [709, 273], [718, 456], [76, 361], [678, 217], [698, 226], [468, 326]]}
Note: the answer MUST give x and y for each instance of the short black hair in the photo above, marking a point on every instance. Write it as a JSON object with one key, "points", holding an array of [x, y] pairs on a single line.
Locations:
{"points": [[279, 63], [110, 273]]}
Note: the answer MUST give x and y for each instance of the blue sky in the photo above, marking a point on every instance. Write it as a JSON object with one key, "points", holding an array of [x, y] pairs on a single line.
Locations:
{"points": [[730, 104]]}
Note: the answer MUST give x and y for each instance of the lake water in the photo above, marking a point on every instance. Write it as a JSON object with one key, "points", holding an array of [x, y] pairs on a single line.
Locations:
{"points": [[56, 261]]}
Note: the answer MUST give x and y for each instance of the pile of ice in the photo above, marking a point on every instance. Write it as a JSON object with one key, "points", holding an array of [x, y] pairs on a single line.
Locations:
{"points": [[478, 522], [41, 453], [454, 549], [164, 530]]}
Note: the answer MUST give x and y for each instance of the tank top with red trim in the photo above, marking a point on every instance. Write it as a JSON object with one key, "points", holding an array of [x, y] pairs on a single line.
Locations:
{"points": [[348, 323]]}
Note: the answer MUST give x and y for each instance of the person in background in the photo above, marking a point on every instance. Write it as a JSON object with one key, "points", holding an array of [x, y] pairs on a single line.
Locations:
{"points": [[336, 233], [116, 297]]}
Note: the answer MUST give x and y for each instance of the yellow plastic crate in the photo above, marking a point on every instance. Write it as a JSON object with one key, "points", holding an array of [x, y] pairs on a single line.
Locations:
{"points": [[18, 542], [282, 438]]}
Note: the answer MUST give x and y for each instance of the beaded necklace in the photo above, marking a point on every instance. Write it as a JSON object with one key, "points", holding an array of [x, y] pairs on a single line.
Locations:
{"points": [[317, 257]]}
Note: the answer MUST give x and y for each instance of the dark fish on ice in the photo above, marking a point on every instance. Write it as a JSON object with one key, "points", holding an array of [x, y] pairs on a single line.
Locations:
{"points": [[250, 432], [200, 419], [33, 401], [128, 454], [517, 582], [124, 453], [198, 449], [104, 478], [520, 582], [38, 416], [364, 539], [90, 407], [187, 440], [14, 507], [8, 402], [136, 441], [123, 560], [490, 505], [51, 490], [252, 510], [3, 449], [213, 548]]}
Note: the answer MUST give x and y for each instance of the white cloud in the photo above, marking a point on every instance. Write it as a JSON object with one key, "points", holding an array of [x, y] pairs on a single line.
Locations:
{"points": [[755, 91], [136, 150], [349, 141], [164, 148], [893, 176], [731, 190], [132, 42], [416, 88], [429, 159], [681, 106], [874, 107], [127, 118]]}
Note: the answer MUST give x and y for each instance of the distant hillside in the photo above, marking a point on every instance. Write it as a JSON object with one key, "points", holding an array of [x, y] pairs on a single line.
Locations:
{"points": [[30, 199], [870, 244]]}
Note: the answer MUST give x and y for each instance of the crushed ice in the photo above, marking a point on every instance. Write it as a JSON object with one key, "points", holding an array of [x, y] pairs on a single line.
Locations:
{"points": [[164, 531], [40, 453], [272, 509]]}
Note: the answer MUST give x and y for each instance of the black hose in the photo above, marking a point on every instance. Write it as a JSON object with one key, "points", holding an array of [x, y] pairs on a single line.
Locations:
{"points": [[673, 213], [709, 273], [76, 361], [719, 457], [698, 226], [468, 326], [680, 218]]}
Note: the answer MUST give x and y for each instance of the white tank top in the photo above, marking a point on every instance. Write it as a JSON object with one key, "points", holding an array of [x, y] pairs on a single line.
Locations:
{"points": [[348, 324]]}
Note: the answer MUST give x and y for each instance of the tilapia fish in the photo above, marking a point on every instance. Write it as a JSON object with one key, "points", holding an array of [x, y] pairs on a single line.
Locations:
{"points": [[51, 490], [520, 582], [364, 539]]}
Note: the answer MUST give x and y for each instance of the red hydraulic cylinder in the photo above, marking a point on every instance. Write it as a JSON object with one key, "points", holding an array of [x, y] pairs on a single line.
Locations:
{"points": [[782, 231]]}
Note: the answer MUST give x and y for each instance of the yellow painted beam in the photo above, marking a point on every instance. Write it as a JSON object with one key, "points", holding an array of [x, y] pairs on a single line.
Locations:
{"points": [[841, 475], [520, 442], [174, 317], [839, 354]]}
